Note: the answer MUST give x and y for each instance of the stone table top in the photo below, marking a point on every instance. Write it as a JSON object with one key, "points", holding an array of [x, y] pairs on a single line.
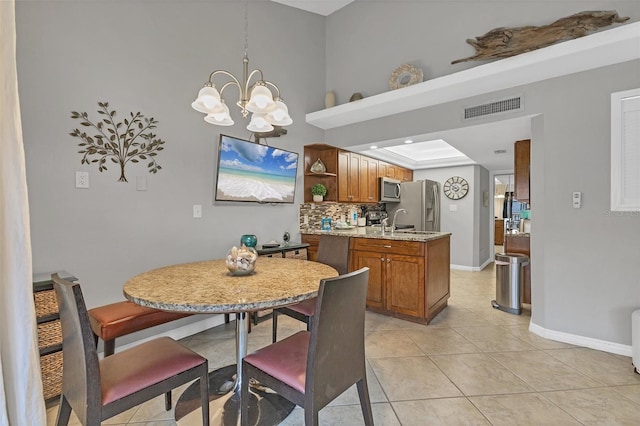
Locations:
{"points": [[209, 287]]}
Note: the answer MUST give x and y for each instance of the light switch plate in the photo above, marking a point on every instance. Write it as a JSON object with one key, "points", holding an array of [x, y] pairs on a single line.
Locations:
{"points": [[197, 211], [577, 200], [453, 207]]}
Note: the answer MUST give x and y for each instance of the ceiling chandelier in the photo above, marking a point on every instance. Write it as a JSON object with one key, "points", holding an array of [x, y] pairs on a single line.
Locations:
{"points": [[257, 98]]}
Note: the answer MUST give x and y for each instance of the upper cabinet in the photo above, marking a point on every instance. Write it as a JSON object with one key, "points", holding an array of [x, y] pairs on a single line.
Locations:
{"points": [[350, 177], [521, 170]]}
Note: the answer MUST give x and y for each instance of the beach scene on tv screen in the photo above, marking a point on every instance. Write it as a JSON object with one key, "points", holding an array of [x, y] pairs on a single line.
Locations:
{"points": [[251, 172]]}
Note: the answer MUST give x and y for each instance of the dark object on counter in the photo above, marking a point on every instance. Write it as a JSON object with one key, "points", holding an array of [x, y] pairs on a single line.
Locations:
{"points": [[333, 250], [356, 97], [318, 365]]}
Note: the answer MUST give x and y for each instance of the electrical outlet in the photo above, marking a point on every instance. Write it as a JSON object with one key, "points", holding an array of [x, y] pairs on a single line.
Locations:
{"points": [[82, 180], [197, 211]]}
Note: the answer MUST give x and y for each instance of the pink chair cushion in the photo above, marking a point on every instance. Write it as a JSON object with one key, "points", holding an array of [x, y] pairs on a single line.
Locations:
{"points": [[120, 318], [306, 307], [285, 360], [151, 362]]}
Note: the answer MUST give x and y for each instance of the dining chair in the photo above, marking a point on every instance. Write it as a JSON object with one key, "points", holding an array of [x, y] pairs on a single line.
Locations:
{"points": [[333, 250], [99, 389], [312, 368]]}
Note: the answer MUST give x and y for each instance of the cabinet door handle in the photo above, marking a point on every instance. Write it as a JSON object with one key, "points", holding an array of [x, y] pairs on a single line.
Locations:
{"points": [[386, 246], [382, 259]]}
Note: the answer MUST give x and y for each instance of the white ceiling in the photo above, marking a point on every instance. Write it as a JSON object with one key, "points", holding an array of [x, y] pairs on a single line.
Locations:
{"points": [[321, 7], [477, 143]]}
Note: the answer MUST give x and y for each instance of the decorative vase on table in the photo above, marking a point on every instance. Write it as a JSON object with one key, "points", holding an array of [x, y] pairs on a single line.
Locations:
{"points": [[318, 198], [249, 240]]}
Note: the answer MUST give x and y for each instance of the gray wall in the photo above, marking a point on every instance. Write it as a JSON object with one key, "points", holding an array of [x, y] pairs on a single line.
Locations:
{"points": [[469, 224], [585, 269], [151, 57]]}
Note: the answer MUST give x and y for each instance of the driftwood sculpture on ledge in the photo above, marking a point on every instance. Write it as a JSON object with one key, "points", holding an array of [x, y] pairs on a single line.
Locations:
{"points": [[505, 42]]}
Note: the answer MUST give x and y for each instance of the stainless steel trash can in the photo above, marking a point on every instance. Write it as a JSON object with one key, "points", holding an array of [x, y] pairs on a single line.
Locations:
{"points": [[509, 282]]}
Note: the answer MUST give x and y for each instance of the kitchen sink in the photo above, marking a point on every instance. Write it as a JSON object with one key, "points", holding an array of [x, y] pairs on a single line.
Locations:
{"points": [[400, 231]]}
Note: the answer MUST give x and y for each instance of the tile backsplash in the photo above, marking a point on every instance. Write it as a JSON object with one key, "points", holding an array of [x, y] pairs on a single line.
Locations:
{"points": [[317, 211]]}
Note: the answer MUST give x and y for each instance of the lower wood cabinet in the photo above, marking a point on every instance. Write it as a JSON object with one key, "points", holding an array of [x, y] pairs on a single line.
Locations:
{"points": [[407, 279], [313, 241]]}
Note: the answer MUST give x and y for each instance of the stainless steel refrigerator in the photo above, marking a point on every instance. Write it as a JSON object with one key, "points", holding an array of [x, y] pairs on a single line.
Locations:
{"points": [[421, 200]]}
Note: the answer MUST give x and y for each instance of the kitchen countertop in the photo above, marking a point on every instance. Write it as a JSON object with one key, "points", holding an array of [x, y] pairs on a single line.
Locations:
{"points": [[519, 234], [360, 232]]}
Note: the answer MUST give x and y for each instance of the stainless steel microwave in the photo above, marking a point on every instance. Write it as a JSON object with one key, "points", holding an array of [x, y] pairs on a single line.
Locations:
{"points": [[389, 190]]}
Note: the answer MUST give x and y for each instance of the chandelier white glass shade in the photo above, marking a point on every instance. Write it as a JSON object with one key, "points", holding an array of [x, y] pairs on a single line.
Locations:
{"points": [[257, 99]]}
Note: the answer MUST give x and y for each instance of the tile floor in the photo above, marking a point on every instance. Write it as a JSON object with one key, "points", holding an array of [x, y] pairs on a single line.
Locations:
{"points": [[473, 365]]}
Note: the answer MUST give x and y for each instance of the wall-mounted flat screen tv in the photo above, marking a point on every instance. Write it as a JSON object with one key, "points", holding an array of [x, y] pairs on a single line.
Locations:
{"points": [[248, 171]]}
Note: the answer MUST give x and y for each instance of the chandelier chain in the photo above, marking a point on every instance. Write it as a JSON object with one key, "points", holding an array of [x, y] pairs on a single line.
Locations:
{"points": [[246, 28]]}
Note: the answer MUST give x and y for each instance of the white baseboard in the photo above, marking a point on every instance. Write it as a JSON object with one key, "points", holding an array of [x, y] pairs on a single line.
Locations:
{"points": [[471, 268], [181, 332], [587, 342]]}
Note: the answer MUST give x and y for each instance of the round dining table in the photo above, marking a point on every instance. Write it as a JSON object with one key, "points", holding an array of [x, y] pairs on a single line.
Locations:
{"points": [[208, 287]]}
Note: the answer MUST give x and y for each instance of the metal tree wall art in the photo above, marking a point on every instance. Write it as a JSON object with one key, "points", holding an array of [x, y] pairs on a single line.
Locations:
{"points": [[118, 141]]}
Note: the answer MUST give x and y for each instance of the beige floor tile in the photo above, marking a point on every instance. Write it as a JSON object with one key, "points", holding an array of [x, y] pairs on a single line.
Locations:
{"points": [[441, 340], [378, 322], [343, 415], [457, 317], [521, 409], [543, 372], [412, 378], [632, 392], [389, 343], [350, 396], [153, 410], [601, 366], [478, 374], [601, 406], [522, 332], [438, 412], [494, 339]]}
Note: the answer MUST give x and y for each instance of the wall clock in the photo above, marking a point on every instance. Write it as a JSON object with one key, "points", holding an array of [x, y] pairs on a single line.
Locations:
{"points": [[456, 187]]}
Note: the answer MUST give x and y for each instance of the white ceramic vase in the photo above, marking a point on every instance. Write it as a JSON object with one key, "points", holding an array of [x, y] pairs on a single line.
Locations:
{"points": [[330, 99], [318, 198]]}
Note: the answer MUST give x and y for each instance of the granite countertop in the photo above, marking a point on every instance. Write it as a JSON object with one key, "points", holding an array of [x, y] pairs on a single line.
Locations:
{"points": [[209, 287], [518, 235], [361, 232]]}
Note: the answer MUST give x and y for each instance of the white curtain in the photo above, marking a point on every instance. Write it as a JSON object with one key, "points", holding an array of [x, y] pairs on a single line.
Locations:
{"points": [[21, 398]]}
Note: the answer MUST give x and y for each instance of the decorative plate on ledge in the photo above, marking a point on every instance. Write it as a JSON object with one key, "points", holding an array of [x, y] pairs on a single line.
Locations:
{"points": [[405, 75]]}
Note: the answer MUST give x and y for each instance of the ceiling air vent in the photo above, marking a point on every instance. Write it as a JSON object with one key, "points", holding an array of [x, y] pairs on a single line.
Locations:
{"points": [[495, 107]]}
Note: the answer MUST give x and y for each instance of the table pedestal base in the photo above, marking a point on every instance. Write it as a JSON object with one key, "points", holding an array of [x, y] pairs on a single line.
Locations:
{"points": [[265, 406]]}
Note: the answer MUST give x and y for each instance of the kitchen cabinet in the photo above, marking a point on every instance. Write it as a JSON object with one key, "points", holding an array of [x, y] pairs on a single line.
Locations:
{"points": [[522, 160], [369, 192], [498, 232], [407, 279], [348, 177], [394, 172], [387, 170], [313, 241], [326, 154], [520, 244]]}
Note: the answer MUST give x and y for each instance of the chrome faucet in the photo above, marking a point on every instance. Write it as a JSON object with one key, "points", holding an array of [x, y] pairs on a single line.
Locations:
{"points": [[395, 215], [383, 224]]}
